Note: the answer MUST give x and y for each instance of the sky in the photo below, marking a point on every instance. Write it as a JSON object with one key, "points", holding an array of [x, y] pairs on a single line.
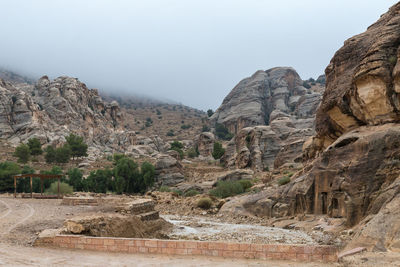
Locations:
{"points": [[189, 51]]}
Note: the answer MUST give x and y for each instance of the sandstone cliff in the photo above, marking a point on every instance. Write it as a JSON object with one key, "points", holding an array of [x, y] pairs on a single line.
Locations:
{"points": [[272, 115], [353, 162]]}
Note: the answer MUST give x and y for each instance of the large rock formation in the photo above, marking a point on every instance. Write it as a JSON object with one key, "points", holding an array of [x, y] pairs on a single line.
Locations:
{"points": [[276, 100], [354, 159], [253, 100], [362, 81]]}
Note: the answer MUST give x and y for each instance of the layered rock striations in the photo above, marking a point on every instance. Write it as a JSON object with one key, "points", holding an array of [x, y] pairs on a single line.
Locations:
{"points": [[272, 115], [353, 162]]}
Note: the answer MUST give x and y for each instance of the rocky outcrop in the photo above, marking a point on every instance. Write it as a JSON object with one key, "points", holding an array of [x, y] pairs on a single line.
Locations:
{"points": [[168, 171], [267, 147], [272, 115], [205, 144], [253, 100], [362, 81], [354, 158]]}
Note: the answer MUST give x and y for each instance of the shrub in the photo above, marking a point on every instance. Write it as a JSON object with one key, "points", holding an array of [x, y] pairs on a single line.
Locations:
{"points": [[7, 170], [204, 203], [245, 184], [218, 150], [192, 152], [205, 128], [266, 169], [210, 112], [284, 180], [306, 85], [191, 193], [65, 189], [77, 146], [177, 146], [393, 60], [50, 155], [23, 153], [158, 112], [23, 185], [76, 179], [164, 188], [34, 146], [99, 181], [177, 192], [147, 171], [227, 189], [170, 133], [62, 154], [222, 132], [117, 157], [185, 126]]}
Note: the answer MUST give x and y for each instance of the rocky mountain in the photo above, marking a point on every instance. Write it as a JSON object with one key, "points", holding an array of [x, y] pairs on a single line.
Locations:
{"points": [[352, 167], [272, 115]]}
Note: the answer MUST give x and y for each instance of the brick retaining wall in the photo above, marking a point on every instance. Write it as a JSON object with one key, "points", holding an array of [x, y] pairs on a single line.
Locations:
{"points": [[184, 247]]}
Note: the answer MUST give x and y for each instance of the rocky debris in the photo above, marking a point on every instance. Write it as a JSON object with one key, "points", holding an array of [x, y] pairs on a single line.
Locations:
{"points": [[253, 100], [137, 206], [205, 144], [117, 225], [362, 81], [168, 170]]}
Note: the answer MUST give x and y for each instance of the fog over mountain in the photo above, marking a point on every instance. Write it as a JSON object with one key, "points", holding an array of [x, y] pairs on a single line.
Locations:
{"points": [[192, 52]]}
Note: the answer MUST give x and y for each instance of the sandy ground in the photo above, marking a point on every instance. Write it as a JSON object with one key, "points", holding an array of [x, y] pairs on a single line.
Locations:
{"points": [[22, 219]]}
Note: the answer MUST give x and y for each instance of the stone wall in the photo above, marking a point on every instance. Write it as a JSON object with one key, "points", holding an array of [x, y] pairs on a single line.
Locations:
{"points": [[192, 248]]}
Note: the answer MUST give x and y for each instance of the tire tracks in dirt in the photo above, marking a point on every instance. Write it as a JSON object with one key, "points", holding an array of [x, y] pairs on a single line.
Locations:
{"points": [[19, 222]]}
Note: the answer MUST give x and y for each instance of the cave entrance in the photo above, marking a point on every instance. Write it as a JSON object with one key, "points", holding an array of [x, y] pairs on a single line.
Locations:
{"points": [[324, 200]]}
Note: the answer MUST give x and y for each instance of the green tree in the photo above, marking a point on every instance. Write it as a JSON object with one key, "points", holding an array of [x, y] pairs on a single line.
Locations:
{"points": [[76, 179], [218, 150], [210, 112], [23, 153], [129, 171], [35, 146], [99, 181], [222, 132], [7, 170], [50, 155], [148, 172], [77, 146], [63, 154], [23, 184]]}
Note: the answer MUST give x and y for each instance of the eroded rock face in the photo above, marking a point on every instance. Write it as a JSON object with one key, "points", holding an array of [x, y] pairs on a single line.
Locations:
{"points": [[362, 81], [168, 170], [205, 144], [253, 100], [267, 147]]}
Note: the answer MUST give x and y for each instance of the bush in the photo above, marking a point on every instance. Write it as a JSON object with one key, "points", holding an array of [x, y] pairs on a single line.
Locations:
{"points": [[204, 203], [222, 132], [177, 146], [284, 180], [23, 153], [65, 189], [191, 193], [77, 146], [34, 146], [205, 128], [7, 170], [306, 85], [185, 126], [246, 184], [99, 181], [218, 150], [192, 152], [117, 157], [177, 192], [62, 154], [164, 188], [227, 189], [147, 171], [170, 133], [76, 179], [210, 112], [50, 155]]}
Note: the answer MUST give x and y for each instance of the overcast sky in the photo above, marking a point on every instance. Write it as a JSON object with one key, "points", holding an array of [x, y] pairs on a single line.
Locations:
{"points": [[190, 51]]}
